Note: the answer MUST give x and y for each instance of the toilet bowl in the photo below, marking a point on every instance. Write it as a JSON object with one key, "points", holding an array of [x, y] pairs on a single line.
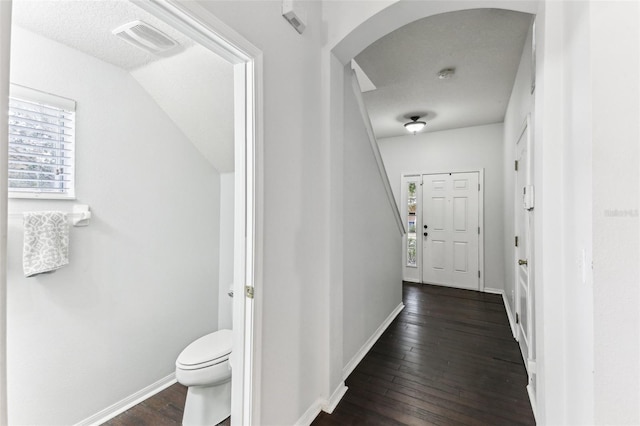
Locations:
{"points": [[204, 368]]}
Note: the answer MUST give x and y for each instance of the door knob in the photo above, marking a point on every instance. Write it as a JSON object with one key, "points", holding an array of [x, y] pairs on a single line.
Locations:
{"points": [[425, 227], [522, 262], [425, 234]]}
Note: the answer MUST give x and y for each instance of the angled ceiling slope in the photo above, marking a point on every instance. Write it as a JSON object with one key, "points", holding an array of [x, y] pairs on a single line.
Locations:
{"points": [[193, 85], [483, 45]]}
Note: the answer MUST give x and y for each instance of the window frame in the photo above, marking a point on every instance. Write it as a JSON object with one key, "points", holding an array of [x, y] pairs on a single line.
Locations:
{"points": [[26, 94]]}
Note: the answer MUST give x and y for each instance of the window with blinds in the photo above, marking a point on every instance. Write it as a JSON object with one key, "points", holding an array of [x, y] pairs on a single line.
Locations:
{"points": [[41, 144]]}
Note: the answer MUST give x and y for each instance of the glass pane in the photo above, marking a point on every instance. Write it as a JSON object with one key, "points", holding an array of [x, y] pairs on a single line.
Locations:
{"points": [[411, 251], [411, 225]]}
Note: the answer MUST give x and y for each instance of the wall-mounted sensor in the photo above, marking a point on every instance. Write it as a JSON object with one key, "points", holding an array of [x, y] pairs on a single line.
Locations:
{"points": [[296, 17]]}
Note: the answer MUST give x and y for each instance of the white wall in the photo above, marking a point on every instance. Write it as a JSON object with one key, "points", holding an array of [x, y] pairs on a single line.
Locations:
{"points": [[142, 279], [225, 303], [372, 241], [519, 107], [615, 44], [587, 167], [578, 216], [295, 176], [466, 149]]}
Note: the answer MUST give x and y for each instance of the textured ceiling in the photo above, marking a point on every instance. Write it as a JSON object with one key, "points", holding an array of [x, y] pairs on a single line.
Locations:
{"points": [[483, 45], [194, 86], [86, 26]]}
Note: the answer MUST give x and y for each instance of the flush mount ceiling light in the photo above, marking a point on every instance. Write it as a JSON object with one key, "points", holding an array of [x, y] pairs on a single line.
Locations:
{"points": [[414, 126]]}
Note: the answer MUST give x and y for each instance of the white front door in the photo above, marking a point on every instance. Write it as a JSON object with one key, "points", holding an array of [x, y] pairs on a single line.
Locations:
{"points": [[450, 230], [523, 217]]}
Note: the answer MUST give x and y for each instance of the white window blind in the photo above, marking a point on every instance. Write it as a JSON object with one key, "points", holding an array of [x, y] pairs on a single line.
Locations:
{"points": [[41, 144]]}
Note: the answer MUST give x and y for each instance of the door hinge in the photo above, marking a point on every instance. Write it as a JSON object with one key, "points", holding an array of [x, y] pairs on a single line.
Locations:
{"points": [[517, 318], [516, 165], [478, 187], [516, 241], [478, 230], [478, 274], [248, 291]]}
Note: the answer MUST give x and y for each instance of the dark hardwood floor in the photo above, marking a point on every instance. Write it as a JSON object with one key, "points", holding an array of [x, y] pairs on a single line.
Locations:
{"points": [[163, 409], [449, 358]]}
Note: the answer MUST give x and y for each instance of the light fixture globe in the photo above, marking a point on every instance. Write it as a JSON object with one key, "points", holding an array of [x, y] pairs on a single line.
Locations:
{"points": [[414, 125]]}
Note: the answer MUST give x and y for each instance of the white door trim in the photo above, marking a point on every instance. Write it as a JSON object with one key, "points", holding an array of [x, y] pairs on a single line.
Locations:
{"points": [[199, 24], [5, 57], [480, 172]]}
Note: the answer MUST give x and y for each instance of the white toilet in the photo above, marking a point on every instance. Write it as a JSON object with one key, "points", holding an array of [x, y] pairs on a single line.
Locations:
{"points": [[204, 367]]}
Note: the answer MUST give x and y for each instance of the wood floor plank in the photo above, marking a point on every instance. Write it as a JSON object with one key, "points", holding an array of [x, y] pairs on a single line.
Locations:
{"points": [[448, 358], [163, 409]]}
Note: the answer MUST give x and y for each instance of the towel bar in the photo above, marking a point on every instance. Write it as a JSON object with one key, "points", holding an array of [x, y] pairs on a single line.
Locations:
{"points": [[79, 217]]}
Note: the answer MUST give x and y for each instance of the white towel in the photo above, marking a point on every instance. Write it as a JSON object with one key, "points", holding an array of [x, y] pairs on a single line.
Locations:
{"points": [[46, 242]]}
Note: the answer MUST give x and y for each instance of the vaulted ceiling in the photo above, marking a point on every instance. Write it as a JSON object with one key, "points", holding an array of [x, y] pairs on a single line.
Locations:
{"points": [[484, 47]]}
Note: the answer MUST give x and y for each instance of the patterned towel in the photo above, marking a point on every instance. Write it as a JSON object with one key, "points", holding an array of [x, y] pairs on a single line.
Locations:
{"points": [[46, 242]]}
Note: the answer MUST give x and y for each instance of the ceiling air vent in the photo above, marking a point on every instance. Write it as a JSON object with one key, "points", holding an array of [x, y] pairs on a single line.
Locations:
{"points": [[146, 37]]}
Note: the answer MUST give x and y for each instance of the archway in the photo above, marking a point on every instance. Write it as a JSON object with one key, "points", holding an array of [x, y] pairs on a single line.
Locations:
{"points": [[359, 30]]}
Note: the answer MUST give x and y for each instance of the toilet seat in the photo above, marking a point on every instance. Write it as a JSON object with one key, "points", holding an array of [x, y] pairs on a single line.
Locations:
{"points": [[204, 367], [206, 351]]}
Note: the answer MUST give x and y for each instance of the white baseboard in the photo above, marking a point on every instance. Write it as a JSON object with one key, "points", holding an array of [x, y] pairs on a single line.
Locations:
{"points": [[123, 405], [351, 365], [322, 404], [310, 415], [512, 322], [532, 399], [335, 398], [500, 291]]}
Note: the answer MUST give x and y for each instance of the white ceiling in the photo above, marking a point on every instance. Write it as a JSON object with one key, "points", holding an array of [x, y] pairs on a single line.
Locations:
{"points": [[86, 25], [483, 45], [193, 86]]}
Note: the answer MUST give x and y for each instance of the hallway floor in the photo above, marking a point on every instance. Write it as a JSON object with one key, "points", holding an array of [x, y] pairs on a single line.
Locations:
{"points": [[449, 358]]}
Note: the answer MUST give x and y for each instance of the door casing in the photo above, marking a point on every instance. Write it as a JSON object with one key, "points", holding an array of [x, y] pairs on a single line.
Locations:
{"points": [[199, 24], [481, 286]]}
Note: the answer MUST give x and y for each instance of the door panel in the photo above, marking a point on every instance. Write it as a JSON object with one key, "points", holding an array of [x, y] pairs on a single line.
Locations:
{"points": [[460, 183], [450, 214], [460, 256], [524, 261], [438, 254], [460, 214], [438, 214]]}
